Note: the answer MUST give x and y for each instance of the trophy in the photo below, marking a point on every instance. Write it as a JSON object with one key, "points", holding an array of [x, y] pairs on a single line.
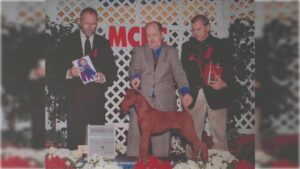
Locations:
{"points": [[211, 71]]}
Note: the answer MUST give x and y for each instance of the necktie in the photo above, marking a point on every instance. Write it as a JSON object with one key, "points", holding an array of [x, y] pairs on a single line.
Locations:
{"points": [[87, 46], [155, 59]]}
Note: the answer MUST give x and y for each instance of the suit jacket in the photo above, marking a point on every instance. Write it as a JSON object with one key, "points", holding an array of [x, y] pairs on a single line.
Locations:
{"points": [[161, 82], [221, 54], [101, 56]]}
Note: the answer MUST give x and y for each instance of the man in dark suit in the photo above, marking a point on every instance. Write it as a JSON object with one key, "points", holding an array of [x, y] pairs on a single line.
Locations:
{"points": [[85, 103], [206, 60]]}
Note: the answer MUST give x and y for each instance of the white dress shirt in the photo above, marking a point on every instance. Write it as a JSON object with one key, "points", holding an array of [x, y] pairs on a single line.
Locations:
{"points": [[83, 39]]}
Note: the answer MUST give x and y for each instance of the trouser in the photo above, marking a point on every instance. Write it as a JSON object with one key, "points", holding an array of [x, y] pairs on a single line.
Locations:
{"points": [[86, 106], [217, 122], [38, 122], [257, 115]]}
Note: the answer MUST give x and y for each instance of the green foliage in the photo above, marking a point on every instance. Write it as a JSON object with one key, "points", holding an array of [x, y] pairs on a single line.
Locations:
{"points": [[55, 94], [247, 152], [241, 37], [56, 137]]}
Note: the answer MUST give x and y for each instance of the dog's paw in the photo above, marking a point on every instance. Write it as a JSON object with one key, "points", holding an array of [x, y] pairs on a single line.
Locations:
{"points": [[204, 155]]}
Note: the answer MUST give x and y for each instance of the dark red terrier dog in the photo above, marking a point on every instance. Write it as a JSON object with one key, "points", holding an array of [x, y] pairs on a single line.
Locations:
{"points": [[152, 121]]}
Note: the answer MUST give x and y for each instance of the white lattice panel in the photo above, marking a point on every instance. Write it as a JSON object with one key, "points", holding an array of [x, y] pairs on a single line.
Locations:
{"points": [[116, 92], [69, 10], [23, 13], [191, 8], [121, 12], [287, 123], [115, 95], [280, 10], [245, 123], [235, 10], [173, 37], [241, 9], [284, 12], [164, 11]]}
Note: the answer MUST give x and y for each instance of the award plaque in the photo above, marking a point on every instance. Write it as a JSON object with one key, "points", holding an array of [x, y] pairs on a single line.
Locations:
{"points": [[101, 141]]}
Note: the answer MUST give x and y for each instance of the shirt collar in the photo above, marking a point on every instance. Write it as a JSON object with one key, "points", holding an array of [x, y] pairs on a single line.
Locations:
{"points": [[157, 51], [83, 36], [204, 41]]}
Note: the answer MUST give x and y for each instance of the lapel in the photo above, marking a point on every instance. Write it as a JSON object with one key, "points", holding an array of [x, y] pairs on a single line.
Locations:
{"points": [[161, 61], [149, 58], [95, 42], [163, 55], [95, 51], [79, 45]]}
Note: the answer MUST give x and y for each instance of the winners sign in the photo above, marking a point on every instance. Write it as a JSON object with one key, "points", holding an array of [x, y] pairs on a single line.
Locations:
{"points": [[101, 141]]}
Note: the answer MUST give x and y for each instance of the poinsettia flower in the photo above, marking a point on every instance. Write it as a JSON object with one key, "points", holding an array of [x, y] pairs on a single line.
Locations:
{"points": [[285, 139], [140, 165], [191, 57], [15, 162], [94, 52], [283, 164], [152, 162], [245, 139], [208, 53], [165, 165], [57, 163], [244, 164]]}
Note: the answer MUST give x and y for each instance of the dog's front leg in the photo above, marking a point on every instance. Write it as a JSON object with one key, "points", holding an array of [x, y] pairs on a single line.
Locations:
{"points": [[144, 145]]}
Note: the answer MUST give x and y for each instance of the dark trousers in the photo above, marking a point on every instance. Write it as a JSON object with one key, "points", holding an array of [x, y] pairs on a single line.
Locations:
{"points": [[86, 106], [38, 126], [37, 107]]}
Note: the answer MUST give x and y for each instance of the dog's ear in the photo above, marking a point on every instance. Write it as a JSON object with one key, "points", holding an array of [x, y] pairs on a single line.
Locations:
{"points": [[127, 89]]}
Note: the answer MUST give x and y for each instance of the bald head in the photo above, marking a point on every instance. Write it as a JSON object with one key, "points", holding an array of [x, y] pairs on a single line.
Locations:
{"points": [[154, 34], [155, 24]]}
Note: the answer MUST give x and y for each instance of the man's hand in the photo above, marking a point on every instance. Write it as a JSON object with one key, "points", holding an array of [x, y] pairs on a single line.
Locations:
{"points": [[100, 78], [135, 83], [74, 71], [186, 100], [218, 83], [40, 72], [257, 85]]}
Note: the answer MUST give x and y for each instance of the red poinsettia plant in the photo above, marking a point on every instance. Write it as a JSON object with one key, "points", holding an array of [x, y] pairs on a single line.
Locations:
{"points": [[58, 163], [153, 163], [94, 52], [15, 162], [244, 164], [208, 53]]}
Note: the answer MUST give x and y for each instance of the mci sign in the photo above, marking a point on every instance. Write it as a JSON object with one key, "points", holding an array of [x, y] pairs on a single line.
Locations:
{"points": [[123, 36]]}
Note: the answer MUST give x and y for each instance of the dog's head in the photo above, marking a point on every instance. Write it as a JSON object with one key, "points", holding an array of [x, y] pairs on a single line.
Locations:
{"points": [[129, 100]]}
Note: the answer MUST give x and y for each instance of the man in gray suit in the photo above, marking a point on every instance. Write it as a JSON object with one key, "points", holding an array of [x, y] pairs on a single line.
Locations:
{"points": [[155, 70]]}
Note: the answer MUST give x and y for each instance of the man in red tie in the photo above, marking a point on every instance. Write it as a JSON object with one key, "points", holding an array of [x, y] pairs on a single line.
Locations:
{"points": [[85, 103]]}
